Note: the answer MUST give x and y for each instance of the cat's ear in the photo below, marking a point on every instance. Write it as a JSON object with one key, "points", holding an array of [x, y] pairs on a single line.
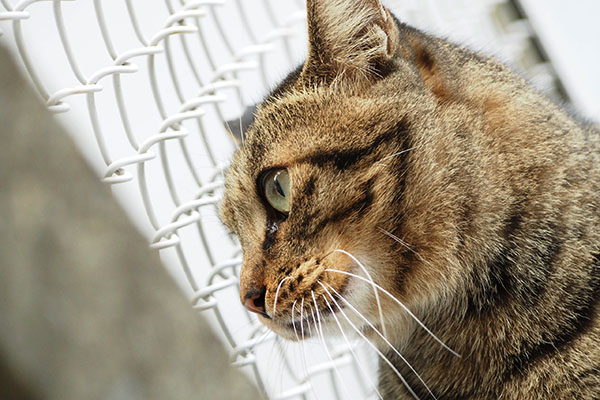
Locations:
{"points": [[348, 39]]}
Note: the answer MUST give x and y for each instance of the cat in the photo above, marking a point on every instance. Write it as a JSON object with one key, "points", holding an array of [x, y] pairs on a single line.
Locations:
{"points": [[427, 198]]}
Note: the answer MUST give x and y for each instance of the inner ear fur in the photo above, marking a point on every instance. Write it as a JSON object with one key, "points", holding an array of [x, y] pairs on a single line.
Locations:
{"points": [[348, 39], [429, 70]]}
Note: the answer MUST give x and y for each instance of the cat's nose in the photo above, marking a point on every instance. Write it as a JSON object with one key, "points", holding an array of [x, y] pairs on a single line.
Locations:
{"points": [[255, 301]]}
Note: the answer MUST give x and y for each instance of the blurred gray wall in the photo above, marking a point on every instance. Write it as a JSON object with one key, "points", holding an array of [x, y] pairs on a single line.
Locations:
{"points": [[86, 309]]}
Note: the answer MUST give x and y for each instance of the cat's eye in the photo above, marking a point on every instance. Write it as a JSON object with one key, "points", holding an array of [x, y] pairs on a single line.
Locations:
{"points": [[276, 186]]}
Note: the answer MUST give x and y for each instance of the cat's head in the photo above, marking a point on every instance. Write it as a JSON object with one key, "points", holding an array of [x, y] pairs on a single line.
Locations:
{"points": [[349, 174]]}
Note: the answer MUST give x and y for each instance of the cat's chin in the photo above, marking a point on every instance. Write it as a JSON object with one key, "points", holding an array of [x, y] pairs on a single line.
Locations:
{"points": [[285, 330], [298, 330]]}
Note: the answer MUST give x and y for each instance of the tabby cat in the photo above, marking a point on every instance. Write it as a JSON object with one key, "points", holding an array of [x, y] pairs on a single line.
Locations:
{"points": [[426, 198]]}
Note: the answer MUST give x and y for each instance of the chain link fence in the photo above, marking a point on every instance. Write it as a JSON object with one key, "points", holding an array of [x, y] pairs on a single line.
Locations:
{"points": [[147, 88]]}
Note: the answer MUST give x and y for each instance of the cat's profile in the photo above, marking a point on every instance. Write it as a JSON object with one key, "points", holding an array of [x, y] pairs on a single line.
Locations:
{"points": [[394, 163]]}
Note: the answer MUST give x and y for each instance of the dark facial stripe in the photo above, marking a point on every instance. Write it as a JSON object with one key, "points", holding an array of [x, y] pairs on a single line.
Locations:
{"points": [[346, 158], [356, 208], [309, 187], [309, 227], [584, 306], [311, 222]]}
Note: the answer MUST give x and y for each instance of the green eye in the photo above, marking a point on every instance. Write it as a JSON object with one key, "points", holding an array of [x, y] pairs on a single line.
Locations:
{"points": [[276, 185]]}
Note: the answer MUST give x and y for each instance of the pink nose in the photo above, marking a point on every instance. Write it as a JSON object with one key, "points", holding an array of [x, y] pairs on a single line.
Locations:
{"points": [[255, 302]]}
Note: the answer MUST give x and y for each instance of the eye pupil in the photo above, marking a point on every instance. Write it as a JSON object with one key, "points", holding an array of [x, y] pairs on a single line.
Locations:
{"points": [[276, 188]]}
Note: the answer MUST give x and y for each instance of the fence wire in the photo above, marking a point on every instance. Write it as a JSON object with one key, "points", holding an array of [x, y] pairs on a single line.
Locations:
{"points": [[153, 84]]}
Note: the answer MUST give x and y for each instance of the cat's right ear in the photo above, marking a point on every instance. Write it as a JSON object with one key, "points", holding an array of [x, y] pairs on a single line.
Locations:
{"points": [[348, 39]]}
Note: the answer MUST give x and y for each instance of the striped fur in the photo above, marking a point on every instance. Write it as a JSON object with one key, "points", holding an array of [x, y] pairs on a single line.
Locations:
{"points": [[464, 192]]}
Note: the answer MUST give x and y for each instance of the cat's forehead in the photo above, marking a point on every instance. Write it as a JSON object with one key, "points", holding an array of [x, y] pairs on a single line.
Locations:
{"points": [[295, 125], [297, 110]]}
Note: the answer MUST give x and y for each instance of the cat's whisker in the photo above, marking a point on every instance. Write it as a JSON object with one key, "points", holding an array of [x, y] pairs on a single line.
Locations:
{"points": [[403, 243], [410, 313], [277, 292], [322, 335], [261, 338], [397, 239], [379, 308], [318, 324], [383, 338], [304, 357], [399, 153], [364, 73], [373, 346], [319, 329], [293, 324], [302, 319], [350, 347], [235, 141], [241, 129], [274, 357], [307, 322], [280, 349]]}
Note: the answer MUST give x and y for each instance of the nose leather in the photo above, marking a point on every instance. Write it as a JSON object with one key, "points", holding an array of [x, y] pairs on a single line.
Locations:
{"points": [[255, 302], [251, 305]]}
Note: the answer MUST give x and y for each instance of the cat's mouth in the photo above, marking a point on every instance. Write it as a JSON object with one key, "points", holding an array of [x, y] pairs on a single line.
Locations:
{"points": [[309, 322], [303, 326], [299, 327], [312, 309]]}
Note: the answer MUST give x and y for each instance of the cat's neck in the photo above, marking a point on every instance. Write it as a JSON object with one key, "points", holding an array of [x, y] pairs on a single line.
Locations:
{"points": [[499, 346]]}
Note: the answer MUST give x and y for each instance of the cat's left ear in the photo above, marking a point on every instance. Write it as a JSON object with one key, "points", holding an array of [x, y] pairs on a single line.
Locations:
{"points": [[348, 39]]}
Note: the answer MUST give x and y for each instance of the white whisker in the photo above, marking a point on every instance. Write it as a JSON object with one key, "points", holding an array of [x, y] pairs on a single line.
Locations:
{"points": [[384, 339], [262, 338], [310, 334], [397, 154], [350, 347], [374, 288], [277, 293], [405, 244], [322, 336], [241, 129], [413, 316], [383, 357], [397, 239], [237, 145], [303, 345], [283, 349], [293, 324], [302, 318]]}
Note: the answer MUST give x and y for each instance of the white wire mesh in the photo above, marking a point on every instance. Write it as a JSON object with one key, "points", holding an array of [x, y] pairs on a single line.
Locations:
{"points": [[150, 84]]}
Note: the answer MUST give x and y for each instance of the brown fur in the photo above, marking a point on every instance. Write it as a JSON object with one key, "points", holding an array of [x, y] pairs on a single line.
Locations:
{"points": [[462, 190]]}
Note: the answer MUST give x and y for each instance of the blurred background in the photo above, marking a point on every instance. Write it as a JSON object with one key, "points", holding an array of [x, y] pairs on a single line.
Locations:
{"points": [[570, 38]]}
